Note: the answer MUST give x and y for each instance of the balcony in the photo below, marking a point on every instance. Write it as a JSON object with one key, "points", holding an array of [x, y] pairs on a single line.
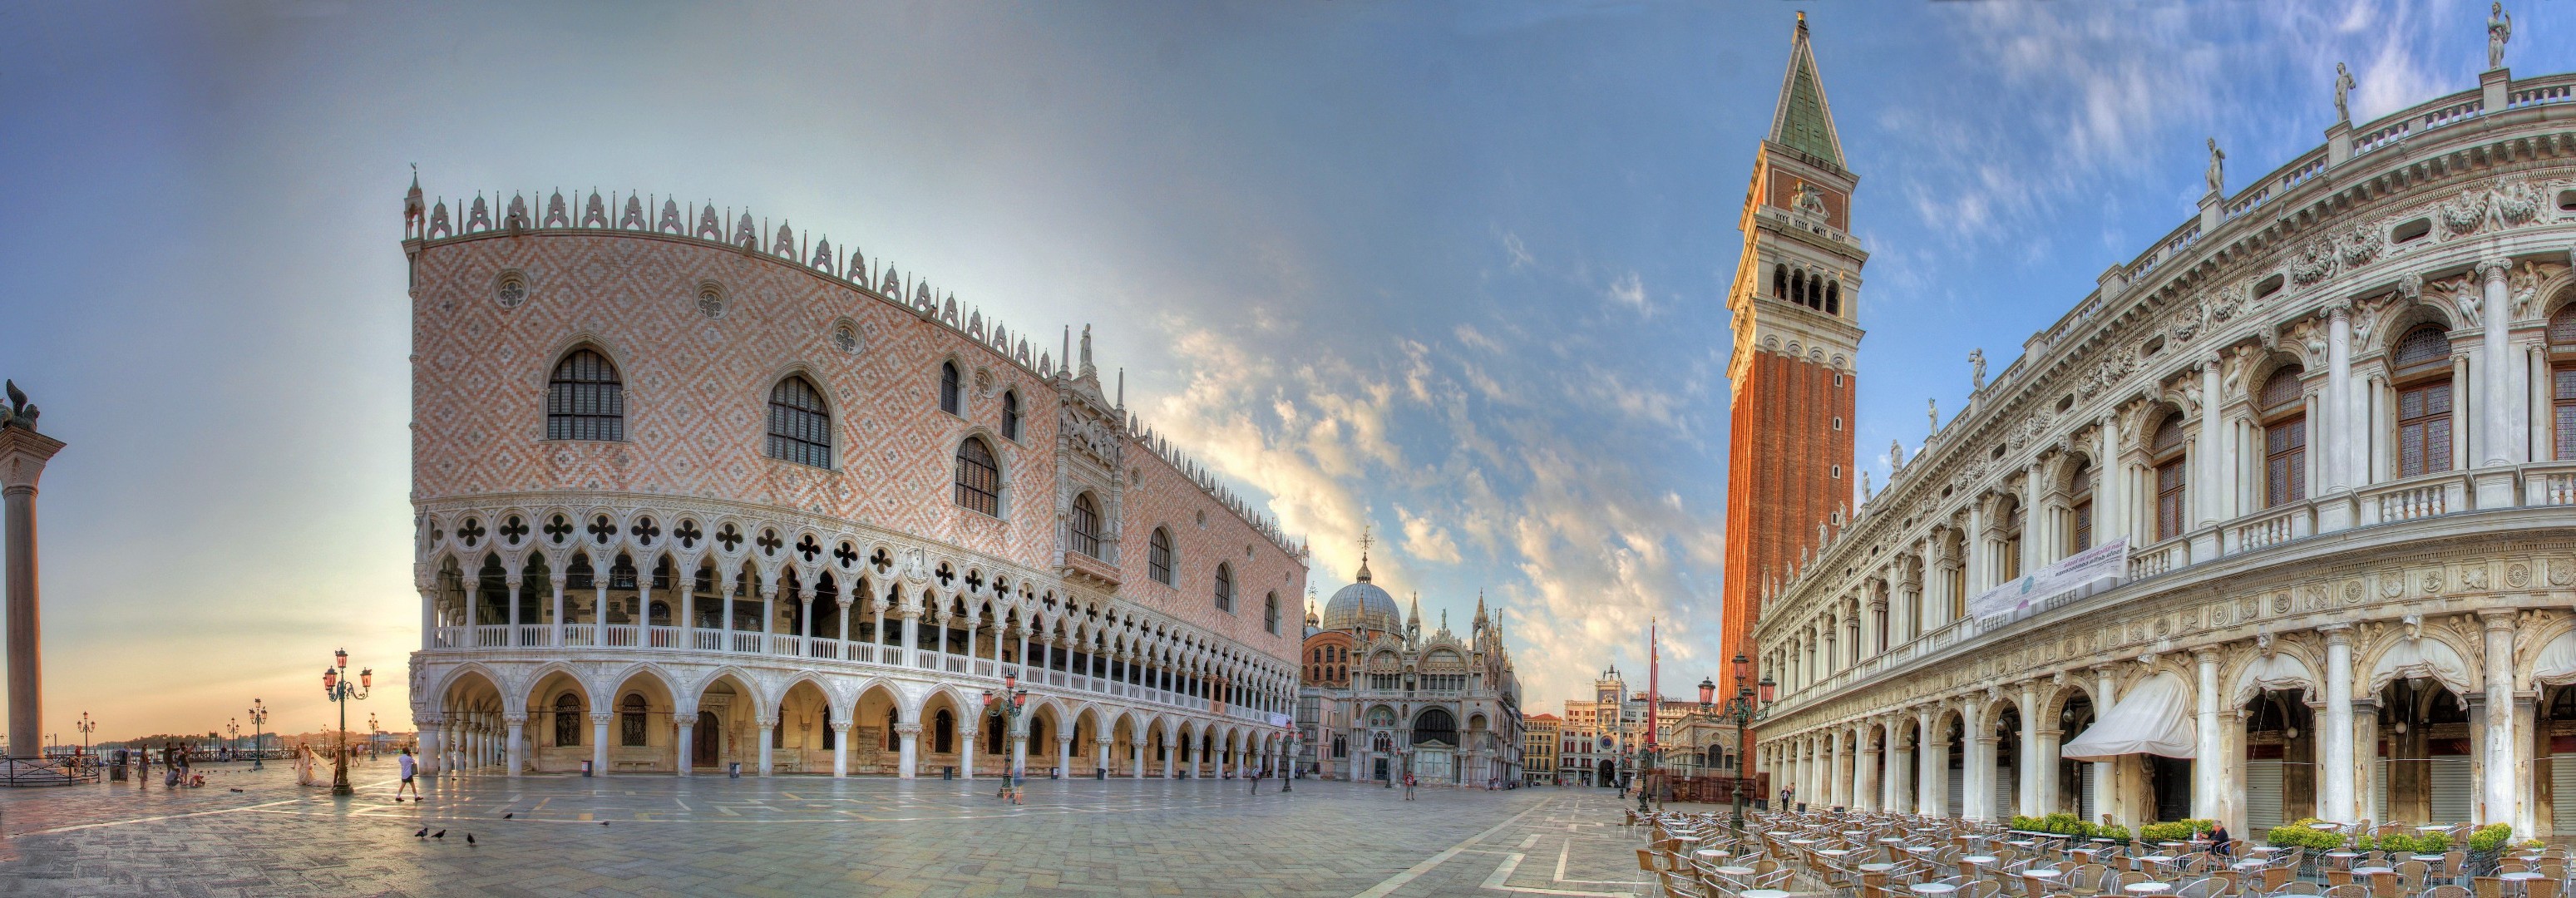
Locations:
{"points": [[854, 658]]}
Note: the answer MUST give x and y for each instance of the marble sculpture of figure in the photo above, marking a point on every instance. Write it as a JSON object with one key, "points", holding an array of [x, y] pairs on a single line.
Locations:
{"points": [[2217, 166], [2499, 30], [2343, 94]]}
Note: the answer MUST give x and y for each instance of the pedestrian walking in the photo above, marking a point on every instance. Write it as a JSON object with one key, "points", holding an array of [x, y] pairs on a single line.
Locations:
{"points": [[1408, 787], [410, 766], [1256, 782]]}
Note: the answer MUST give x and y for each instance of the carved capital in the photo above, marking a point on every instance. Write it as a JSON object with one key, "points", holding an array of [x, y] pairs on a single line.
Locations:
{"points": [[907, 729], [2492, 270], [603, 719]]}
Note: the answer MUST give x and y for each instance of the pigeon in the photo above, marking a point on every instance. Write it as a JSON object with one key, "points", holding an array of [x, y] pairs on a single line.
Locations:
{"points": [[424, 831], [237, 790], [509, 815], [603, 823], [441, 834], [469, 838]]}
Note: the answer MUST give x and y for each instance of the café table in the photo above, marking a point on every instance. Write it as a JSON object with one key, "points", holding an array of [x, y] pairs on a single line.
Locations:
{"points": [[1920, 888], [2147, 888]]}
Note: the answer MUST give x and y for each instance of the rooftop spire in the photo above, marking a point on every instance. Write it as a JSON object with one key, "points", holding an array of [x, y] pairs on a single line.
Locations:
{"points": [[1364, 547], [1804, 121]]}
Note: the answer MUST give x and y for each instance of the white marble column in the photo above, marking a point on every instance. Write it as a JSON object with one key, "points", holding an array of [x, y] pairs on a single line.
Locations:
{"points": [[510, 748], [428, 618], [1865, 786], [841, 738], [2027, 767], [1064, 754], [768, 727], [1020, 754], [599, 742], [685, 745], [2335, 789], [2208, 490], [1900, 769], [2502, 774], [2496, 391], [431, 746], [2105, 773], [908, 755], [2339, 436], [2110, 512], [2208, 770], [1100, 747], [1932, 765], [1977, 794]]}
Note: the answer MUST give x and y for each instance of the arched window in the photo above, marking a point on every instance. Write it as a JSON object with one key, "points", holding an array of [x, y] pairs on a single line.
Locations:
{"points": [[2562, 381], [1158, 556], [1224, 587], [1833, 297], [831, 737], [1270, 612], [1798, 287], [1011, 416], [2167, 449], [1085, 526], [1780, 282], [584, 400], [979, 477], [2285, 439], [948, 388], [800, 427], [2079, 537], [567, 720], [943, 733], [2423, 402], [630, 721]]}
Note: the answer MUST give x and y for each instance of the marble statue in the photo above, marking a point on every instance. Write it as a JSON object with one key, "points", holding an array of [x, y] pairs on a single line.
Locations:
{"points": [[1976, 369], [2499, 30], [2343, 94], [2217, 167]]}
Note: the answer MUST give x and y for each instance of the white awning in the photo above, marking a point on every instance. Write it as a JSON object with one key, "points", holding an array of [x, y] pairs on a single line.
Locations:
{"points": [[2556, 664], [2153, 719]]}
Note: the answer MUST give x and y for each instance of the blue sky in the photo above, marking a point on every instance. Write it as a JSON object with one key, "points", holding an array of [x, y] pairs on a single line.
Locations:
{"points": [[1452, 270]]}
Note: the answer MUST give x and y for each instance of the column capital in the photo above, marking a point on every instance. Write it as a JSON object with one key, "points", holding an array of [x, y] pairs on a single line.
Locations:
{"points": [[907, 729], [843, 726], [514, 719], [602, 718], [23, 453], [2493, 269], [2497, 618], [2339, 633], [2205, 655]]}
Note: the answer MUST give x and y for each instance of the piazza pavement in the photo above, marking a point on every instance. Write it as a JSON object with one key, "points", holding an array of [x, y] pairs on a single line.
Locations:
{"points": [[654, 836]]}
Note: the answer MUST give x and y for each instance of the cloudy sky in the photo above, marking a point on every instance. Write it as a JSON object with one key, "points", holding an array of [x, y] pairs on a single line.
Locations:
{"points": [[1454, 271]]}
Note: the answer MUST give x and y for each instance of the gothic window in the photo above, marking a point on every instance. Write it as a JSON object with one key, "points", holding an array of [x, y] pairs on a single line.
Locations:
{"points": [[831, 737], [1085, 526], [2424, 428], [979, 477], [2285, 439], [1798, 287], [1270, 612], [567, 720], [630, 721], [2167, 448], [1833, 297], [1011, 416], [948, 388], [1780, 282], [2562, 381], [1224, 587], [2080, 508], [1158, 556], [943, 733], [584, 400], [894, 740], [800, 426]]}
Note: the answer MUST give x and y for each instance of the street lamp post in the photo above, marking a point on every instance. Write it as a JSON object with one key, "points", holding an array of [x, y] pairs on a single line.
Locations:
{"points": [[232, 734], [1746, 707], [339, 691], [258, 716], [372, 730], [86, 726], [1008, 709]]}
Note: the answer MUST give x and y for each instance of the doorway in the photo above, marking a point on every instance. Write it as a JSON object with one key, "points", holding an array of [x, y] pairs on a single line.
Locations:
{"points": [[703, 754]]}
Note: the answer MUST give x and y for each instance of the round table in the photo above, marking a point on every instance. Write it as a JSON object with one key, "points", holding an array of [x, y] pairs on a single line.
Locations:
{"points": [[1710, 853], [1978, 859], [2518, 876], [1876, 867], [1762, 893], [1731, 871], [2367, 871], [2044, 874], [2147, 888], [1927, 888], [2262, 849], [2251, 864]]}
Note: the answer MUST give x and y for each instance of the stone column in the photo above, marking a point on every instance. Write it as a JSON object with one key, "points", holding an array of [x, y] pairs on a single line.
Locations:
{"points": [[2209, 470], [2110, 517], [841, 740], [768, 625], [555, 624], [2027, 767], [510, 746], [599, 742], [431, 745], [768, 731], [1020, 754], [1064, 753], [1972, 548], [2207, 771], [907, 759], [2335, 795], [1837, 770], [1900, 770], [1136, 752], [1932, 765], [843, 650], [1977, 778], [2498, 744], [1101, 745], [2339, 435], [428, 617], [1865, 786], [511, 635], [2034, 520], [1171, 753], [685, 744], [2105, 773]]}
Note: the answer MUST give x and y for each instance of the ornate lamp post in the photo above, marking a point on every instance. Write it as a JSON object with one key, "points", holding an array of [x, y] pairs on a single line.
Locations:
{"points": [[1008, 710], [1746, 707], [339, 691], [258, 716], [372, 730], [86, 726], [1288, 769], [232, 734]]}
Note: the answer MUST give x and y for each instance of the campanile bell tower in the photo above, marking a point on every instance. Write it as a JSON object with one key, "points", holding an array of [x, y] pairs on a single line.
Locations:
{"points": [[1796, 308]]}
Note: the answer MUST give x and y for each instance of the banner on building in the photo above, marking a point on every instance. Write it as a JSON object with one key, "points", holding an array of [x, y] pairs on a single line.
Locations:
{"points": [[2079, 574]]}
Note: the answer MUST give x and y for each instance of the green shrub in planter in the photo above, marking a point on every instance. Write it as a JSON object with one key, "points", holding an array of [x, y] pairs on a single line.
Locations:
{"points": [[2491, 838], [2432, 843]]}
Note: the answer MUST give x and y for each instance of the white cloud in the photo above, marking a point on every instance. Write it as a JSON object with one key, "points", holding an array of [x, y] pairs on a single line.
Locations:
{"points": [[1518, 252], [1426, 540], [1629, 291]]}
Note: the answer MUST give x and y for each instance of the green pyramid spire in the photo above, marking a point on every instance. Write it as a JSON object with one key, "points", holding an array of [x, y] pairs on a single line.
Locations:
{"points": [[1804, 121]]}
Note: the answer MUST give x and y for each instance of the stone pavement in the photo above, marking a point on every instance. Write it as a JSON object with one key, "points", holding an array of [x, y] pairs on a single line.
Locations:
{"points": [[643, 835]]}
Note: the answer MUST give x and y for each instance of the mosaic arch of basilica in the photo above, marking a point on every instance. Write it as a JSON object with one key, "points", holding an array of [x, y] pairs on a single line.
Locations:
{"points": [[2334, 419], [693, 492]]}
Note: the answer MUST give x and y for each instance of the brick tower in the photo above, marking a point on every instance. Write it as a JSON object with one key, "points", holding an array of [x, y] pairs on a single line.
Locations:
{"points": [[1795, 303]]}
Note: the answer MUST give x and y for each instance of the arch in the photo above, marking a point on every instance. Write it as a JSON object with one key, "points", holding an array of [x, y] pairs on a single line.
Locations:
{"points": [[585, 397], [1270, 612], [979, 476], [2555, 663], [2415, 656], [1011, 415], [1224, 588], [742, 682], [2421, 345], [800, 423], [2278, 671], [951, 388]]}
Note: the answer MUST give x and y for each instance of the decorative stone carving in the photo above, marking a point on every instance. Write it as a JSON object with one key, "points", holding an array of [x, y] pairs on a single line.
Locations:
{"points": [[2517, 575]]}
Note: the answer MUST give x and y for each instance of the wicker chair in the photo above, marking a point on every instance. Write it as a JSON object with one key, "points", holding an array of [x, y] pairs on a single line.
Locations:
{"points": [[2338, 877], [2277, 877], [2347, 890], [2386, 885], [2488, 886], [2447, 892], [2411, 874], [2198, 888], [2540, 888]]}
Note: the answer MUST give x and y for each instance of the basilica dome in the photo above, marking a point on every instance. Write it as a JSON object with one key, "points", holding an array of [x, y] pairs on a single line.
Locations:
{"points": [[1363, 605]]}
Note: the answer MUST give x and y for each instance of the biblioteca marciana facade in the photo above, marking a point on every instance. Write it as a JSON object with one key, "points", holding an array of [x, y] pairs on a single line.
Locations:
{"points": [[2279, 522], [691, 492]]}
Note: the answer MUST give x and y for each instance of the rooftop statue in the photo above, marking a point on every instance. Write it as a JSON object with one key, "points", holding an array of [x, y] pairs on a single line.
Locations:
{"points": [[2343, 94], [2217, 167], [2499, 30], [19, 413], [1976, 369]]}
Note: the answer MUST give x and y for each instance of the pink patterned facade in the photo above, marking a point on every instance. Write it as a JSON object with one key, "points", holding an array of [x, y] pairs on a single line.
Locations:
{"points": [[677, 486]]}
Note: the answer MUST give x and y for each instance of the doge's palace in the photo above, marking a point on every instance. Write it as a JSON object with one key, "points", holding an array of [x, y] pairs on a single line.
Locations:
{"points": [[692, 491], [2278, 522]]}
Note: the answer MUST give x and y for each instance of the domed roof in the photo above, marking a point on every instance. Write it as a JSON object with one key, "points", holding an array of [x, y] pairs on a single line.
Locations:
{"points": [[1363, 605]]}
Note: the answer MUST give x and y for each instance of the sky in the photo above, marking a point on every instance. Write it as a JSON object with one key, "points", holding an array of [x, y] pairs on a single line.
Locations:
{"points": [[1451, 271]]}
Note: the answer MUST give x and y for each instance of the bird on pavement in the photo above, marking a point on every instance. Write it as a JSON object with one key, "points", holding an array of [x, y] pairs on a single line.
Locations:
{"points": [[509, 815], [469, 838], [424, 831], [441, 834]]}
